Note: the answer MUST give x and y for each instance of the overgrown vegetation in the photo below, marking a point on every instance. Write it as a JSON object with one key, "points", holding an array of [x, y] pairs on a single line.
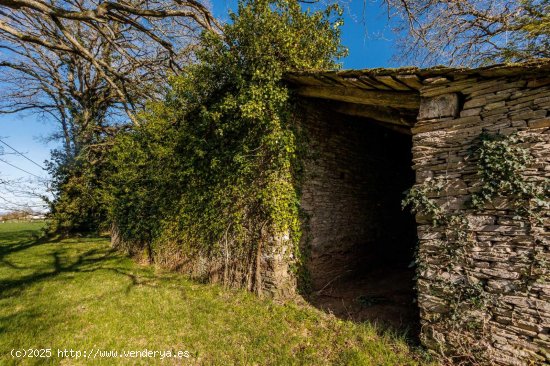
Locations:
{"points": [[501, 166], [77, 184], [213, 172], [78, 294], [502, 161]]}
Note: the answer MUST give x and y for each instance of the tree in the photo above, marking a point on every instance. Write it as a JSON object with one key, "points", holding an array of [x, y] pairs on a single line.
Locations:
{"points": [[82, 62], [90, 66], [472, 32], [126, 43], [532, 38]]}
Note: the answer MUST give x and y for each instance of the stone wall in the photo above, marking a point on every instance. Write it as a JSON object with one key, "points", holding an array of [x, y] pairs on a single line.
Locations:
{"points": [[264, 268], [514, 325], [355, 174]]}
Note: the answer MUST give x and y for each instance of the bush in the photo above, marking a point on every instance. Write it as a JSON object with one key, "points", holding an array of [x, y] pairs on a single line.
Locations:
{"points": [[215, 167]]}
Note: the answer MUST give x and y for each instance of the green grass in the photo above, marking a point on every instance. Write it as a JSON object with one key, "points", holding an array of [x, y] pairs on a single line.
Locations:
{"points": [[79, 294]]}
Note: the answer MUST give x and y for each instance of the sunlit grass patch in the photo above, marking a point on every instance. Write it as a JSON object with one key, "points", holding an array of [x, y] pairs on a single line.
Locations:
{"points": [[79, 294]]}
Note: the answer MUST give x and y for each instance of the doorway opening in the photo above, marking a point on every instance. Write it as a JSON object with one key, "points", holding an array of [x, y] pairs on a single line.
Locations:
{"points": [[361, 242]]}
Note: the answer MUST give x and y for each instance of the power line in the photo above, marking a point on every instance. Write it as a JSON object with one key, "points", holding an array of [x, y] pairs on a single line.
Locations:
{"points": [[23, 170], [23, 155], [20, 204]]}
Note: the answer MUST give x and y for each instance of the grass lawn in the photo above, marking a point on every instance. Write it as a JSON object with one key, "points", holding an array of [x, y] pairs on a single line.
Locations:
{"points": [[78, 294]]}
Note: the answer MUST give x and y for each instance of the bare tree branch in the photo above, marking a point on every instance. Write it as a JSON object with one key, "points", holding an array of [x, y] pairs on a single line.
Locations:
{"points": [[132, 45], [469, 32]]}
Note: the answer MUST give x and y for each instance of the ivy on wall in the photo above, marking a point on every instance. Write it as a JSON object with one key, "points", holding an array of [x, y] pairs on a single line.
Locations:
{"points": [[502, 161], [213, 173]]}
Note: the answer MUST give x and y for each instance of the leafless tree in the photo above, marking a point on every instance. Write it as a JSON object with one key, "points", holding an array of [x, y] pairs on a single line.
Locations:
{"points": [[63, 87], [471, 32], [24, 194], [60, 57]]}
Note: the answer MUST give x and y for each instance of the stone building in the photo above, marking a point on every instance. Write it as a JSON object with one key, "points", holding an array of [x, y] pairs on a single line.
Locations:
{"points": [[479, 289], [372, 134]]}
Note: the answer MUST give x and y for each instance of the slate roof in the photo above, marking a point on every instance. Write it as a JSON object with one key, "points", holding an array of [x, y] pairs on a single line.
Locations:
{"points": [[392, 96]]}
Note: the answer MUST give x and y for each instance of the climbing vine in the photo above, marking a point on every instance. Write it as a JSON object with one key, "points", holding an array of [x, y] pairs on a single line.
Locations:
{"points": [[501, 166], [213, 173], [502, 162]]}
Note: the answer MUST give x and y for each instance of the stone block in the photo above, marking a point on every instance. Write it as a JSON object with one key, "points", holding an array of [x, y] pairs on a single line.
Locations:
{"points": [[539, 123], [446, 105]]}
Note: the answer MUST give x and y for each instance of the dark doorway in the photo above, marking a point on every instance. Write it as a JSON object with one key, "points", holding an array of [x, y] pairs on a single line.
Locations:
{"points": [[361, 241]]}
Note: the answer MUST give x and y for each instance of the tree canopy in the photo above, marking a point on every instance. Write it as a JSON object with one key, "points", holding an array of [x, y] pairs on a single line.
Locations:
{"points": [[125, 43]]}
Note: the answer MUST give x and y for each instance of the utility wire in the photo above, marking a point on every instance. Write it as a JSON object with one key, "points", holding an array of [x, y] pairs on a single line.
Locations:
{"points": [[23, 170], [23, 155], [20, 204]]}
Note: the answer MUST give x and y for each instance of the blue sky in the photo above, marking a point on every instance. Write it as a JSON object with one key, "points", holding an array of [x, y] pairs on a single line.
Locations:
{"points": [[366, 32]]}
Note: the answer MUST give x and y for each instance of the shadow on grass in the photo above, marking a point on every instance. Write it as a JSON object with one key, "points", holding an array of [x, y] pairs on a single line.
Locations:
{"points": [[10, 245], [91, 260], [17, 317]]}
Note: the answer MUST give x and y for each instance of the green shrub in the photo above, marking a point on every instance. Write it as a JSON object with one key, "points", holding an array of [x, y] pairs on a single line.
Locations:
{"points": [[214, 168]]}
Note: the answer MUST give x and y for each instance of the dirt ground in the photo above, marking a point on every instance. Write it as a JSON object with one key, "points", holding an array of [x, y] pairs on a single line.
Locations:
{"points": [[381, 294]]}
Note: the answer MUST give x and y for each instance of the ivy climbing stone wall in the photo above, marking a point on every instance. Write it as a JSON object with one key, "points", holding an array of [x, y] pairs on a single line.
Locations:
{"points": [[483, 287]]}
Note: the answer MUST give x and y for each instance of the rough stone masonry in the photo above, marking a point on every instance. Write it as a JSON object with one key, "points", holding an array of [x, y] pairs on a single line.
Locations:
{"points": [[452, 115], [444, 111]]}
